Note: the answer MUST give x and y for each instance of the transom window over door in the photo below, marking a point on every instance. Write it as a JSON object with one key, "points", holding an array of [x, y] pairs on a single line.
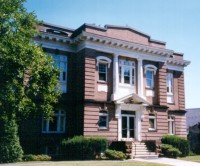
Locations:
{"points": [[127, 72]]}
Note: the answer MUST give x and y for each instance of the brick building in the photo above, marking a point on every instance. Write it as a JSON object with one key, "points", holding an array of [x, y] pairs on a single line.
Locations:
{"points": [[117, 82]]}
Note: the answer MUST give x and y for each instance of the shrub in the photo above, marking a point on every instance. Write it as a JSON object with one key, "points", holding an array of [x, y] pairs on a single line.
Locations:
{"points": [[180, 143], [82, 148], [31, 157], [115, 155], [118, 146], [10, 148], [151, 145], [170, 151]]}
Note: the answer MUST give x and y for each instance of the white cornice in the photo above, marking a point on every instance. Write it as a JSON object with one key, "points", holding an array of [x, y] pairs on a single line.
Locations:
{"points": [[173, 61], [122, 44]]}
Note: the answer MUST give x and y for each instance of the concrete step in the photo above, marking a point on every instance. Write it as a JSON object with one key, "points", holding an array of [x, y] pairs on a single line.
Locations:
{"points": [[143, 153], [145, 156]]}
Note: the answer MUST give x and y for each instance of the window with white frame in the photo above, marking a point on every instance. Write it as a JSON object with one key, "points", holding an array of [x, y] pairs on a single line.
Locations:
{"points": [[150, 71], [103, 119], [127, 72], [56, 124], [61, 64], [170, 83], [152, 122], [171, 124], [103, 64]]}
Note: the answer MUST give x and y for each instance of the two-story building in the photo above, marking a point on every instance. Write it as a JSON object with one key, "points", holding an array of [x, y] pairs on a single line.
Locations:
{"points": [[117, 82]]}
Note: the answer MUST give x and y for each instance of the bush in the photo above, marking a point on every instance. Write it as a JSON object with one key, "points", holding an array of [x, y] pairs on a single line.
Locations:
{"points": [[82, 148], [170, 151], [31, 157], [118, 146], [115, 155], [151, 145], [10, 148], [180, 143]]}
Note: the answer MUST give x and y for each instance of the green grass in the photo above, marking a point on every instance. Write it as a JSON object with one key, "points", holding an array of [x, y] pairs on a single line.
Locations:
{"points": [[191, 158], [90, 163]]}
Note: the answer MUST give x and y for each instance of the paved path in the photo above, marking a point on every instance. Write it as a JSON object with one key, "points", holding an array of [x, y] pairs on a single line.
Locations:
{"points": [[169, 161]]}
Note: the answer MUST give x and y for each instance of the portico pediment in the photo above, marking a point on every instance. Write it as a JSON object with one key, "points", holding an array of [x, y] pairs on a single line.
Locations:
{"points": [[132, 99]]}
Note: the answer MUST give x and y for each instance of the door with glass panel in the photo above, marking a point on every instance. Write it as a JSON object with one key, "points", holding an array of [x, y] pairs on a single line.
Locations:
{"points": [[128, 124]]}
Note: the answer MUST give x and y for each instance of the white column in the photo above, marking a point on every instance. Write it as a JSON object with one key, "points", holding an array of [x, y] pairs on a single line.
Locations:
{"points": [[115, 76], [119, 116], [140, 79]]}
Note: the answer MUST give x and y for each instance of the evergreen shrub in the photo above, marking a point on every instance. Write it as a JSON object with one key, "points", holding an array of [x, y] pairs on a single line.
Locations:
{"points": [[170, 151], [178, 142], [83, 148]]}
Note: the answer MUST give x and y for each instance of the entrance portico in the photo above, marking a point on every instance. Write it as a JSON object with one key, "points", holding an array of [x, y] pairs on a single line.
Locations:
{"points": [[129, 111]]}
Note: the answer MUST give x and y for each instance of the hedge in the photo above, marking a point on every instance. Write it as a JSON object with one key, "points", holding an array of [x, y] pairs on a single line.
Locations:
{"points": [[170, 151], [31, 157], [115, 155], [83, 148], [180, 143], [118, 146]]}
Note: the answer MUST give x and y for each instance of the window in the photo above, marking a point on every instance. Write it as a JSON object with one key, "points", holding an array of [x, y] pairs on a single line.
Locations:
{"points": [[103, 119], [170, 83], [150, 71], [103, 64], [127, 72], [56, 125], [61, 64], [102, 72], [171, 124], [149, 79], [152, 122]]}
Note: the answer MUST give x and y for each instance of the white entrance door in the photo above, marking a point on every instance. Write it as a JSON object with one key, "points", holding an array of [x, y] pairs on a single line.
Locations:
{"points": [[128, 126]]}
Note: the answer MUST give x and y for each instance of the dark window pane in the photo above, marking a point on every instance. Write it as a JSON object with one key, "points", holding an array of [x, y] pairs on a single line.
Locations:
{"points": [[53, 124], [102, 76], [64, 76], [124, 127], [131, 127], [102, 121], [151, 123]]}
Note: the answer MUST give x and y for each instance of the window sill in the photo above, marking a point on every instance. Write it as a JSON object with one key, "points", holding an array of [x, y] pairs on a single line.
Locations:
{"points": [[103, 129], [152, 130], [102, 82], [150, 88], [126, 85]]}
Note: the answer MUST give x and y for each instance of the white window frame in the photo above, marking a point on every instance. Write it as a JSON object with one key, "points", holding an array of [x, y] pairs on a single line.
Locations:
{"points": [[171, 125], [170, 83], [103, 113], [60, 114], [131, 66], [106, 71], [153, 69], [152, 116], [103, 60], [62, 59]]}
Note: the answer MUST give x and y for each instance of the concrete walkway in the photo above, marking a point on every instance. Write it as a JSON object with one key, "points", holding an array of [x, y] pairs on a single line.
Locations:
{"points": [[169, 161]]}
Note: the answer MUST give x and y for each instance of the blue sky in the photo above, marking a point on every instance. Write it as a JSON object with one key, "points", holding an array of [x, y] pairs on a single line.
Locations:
{"points": [[176, 22]]}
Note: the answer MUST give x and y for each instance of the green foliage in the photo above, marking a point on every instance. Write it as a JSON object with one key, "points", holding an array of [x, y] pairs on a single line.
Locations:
{"points": [[28, 80], [170, 151], [118, 146], [180, 143], [31, 157], [10, 149], [151, 145], [82, 148], [115, 155]]}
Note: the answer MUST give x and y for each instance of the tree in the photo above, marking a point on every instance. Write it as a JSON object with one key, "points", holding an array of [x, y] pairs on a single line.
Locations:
{"points": [[28, 80]]}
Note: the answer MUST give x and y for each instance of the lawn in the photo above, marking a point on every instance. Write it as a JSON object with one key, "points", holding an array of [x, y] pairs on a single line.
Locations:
{"points": [[191, 158], [89, 163]]}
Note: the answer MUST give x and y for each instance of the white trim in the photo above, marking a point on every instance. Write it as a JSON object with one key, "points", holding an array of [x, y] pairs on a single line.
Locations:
{"points": [[171, 125], [103, 114], [150, 67], [140, 78], [115, 76], [175, 67], [103, 59], [153, 116]]}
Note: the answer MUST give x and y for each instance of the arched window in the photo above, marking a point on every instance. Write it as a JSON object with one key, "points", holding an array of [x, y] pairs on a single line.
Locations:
{"points": [[150, 71], [103, 63]]}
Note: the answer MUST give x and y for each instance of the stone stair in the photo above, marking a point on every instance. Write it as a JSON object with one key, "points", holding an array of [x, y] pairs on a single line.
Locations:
{"points": [[139, 150]]}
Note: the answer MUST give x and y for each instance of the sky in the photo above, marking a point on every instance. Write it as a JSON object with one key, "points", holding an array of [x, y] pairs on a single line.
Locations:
{"points": [[177, 22]]}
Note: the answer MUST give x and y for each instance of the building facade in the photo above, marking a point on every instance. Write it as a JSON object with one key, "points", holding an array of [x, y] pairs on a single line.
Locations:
{"points": [[116, 81]]}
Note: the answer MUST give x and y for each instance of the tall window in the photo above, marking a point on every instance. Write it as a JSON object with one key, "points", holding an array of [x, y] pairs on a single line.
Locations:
{"points": [[102, 72], [150, 71], [103, 119], [127, 72], [170, 83], [61, 63], [103, 63], [171, 124], [152, 122], [56, 125]]}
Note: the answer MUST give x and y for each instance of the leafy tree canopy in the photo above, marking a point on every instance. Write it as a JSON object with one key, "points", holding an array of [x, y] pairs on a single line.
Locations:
{"points": [[28, 80]]}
